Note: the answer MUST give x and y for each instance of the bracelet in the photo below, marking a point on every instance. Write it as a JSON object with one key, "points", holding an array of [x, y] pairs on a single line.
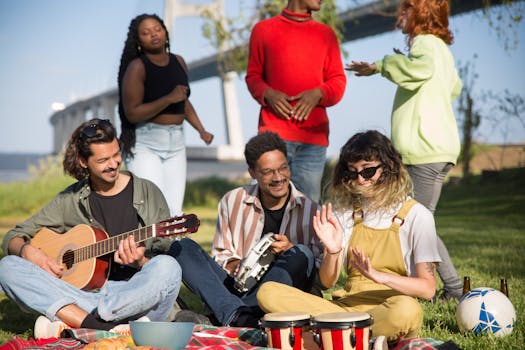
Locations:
{"points": [[337, 252], [22, 248]]}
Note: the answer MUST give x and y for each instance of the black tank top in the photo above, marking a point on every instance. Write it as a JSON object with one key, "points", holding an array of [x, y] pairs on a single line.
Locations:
{"points": [[161, 80]]}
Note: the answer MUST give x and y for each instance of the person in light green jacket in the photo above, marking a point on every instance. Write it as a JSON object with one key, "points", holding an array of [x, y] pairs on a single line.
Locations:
{"points": [[424, 128]]}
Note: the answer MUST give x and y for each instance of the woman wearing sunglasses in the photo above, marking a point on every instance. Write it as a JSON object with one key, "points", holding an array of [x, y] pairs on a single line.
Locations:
{"points": [[383, 240]]}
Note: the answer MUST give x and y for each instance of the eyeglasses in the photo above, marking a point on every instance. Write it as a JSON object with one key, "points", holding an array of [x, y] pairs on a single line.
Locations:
{"points": [[366, 173], [90, 131], [282, 170]]}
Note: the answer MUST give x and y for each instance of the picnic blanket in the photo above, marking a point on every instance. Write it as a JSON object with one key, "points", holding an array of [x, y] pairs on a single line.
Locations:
{"points": [[204, 337]]}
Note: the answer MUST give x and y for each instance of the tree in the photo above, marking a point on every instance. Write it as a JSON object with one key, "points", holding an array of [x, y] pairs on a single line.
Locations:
{"points": [[471, 117], [230, 35], [503, 111], [504, 20]]}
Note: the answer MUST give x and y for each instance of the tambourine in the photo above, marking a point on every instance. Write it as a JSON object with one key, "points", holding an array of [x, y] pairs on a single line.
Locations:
{"points": [[255, 265]]}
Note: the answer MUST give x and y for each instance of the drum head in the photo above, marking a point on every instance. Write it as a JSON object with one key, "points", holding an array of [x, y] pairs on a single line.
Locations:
{"points": [[285, 319], [343, 320]]}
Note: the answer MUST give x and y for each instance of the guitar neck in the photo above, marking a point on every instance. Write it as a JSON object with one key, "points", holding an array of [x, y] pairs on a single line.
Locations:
{"points": [[174, 226], [111, 244]]}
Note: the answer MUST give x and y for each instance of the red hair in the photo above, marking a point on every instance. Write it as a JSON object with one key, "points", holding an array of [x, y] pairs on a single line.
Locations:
{"points": [[428, 17]]}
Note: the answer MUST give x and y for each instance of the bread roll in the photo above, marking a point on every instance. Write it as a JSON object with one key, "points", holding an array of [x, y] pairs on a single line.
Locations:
{"points": [[117, 343]]}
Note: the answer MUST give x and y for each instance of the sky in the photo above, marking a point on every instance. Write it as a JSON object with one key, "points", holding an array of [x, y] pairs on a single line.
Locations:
{"points": [[68, 50]]}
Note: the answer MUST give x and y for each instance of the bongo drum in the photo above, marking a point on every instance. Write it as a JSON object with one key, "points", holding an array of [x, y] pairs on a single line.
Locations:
{"points": [[343, 330], [284, 329]]}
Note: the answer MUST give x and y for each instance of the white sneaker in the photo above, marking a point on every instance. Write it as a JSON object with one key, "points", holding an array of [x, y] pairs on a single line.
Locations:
{"points": [[380, 343], [45, 328], [123, 329]]}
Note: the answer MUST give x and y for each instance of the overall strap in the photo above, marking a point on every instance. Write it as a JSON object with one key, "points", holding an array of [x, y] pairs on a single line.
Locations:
{"points": [[399, 219], [357, 215]]}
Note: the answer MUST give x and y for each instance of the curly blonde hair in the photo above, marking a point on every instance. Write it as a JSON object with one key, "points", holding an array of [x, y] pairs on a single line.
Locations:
{"points": [[392, 187]]}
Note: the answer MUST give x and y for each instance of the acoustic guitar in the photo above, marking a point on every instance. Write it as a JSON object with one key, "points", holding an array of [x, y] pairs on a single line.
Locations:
{"points": [[83, 250]]}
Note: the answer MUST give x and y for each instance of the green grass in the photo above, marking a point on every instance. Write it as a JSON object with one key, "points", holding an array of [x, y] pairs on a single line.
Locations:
{"points": [[21, 199], [482, 224]]}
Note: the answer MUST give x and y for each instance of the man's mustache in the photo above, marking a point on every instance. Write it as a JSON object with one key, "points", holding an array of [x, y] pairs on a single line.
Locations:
{"points": [[108, 170]]}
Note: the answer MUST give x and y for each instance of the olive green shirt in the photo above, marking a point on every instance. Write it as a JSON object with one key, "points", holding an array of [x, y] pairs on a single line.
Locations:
{"points": [[71, 207]]}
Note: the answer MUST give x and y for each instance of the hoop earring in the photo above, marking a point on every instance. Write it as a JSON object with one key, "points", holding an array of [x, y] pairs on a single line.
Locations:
{"points": [[139, 48]]}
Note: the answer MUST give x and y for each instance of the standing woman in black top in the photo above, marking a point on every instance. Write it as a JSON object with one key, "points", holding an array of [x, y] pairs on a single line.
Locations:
{"points": [[154, 91]]}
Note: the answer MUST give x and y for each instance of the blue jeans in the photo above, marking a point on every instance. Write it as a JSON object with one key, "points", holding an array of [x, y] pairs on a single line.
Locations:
{"points": [[307, 165], [159, 155], [152, 291], [208, 280]]}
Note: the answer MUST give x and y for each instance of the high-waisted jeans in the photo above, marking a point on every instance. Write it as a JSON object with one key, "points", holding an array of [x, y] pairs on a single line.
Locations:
{"points": [[307, 166], [159, 155]]}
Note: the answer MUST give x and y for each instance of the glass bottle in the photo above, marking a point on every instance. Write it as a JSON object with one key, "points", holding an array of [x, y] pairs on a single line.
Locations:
{"points": [[466, 285], [503, 287]]}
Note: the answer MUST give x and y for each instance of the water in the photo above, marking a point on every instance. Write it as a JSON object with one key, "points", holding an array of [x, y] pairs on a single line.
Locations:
{"points": [[230, 170], [14, 167], [10, 175]]}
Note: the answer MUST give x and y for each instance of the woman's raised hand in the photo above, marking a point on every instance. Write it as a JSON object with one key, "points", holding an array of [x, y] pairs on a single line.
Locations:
{"points": [[361, 69], [328, 229]]}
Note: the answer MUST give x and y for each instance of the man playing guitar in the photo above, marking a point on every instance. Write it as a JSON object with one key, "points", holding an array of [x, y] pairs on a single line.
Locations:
{"points": [[142, 282]]}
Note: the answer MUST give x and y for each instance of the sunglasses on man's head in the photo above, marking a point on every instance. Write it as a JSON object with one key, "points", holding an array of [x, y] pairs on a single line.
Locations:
{"points": [[366, 173], [90, 131]]}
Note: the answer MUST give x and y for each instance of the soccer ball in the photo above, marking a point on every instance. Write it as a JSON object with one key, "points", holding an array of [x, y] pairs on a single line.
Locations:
{"points": [[484, 310]]}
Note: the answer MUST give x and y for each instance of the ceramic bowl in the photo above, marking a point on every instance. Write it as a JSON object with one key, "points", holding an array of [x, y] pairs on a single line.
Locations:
{"points": [[168, 335]]}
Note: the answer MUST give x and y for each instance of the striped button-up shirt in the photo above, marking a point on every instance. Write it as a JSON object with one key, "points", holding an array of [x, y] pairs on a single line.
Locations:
{"points": [[241, 220]]}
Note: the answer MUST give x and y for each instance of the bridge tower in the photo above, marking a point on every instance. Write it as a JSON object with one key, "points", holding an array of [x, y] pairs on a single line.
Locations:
{"points": [[234, 147]]}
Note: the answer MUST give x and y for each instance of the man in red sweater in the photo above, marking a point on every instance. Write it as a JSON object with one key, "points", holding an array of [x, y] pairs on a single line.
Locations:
{"points": [[295, 71]]}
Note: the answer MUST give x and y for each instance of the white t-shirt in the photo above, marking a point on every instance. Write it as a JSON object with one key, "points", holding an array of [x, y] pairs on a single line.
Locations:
{"points": [[417, 235]]}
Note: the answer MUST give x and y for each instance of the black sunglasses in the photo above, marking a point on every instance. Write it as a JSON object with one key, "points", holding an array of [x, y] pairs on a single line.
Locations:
{"points": [[366, 173], [90, 131]]}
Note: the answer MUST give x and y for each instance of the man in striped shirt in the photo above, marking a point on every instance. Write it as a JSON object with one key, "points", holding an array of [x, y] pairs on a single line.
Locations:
{"points": [[271, 205]]}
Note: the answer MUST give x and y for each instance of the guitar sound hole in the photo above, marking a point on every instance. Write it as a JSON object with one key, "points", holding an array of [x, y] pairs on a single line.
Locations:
{"points": [[68, 259]]}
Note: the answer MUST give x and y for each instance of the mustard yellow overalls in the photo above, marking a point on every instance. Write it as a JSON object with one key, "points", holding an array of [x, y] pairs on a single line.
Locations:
{"points": [[395, 315]]}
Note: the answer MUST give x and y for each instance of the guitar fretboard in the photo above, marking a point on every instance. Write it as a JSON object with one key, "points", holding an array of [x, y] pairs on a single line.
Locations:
{"points": [[111, 244]]}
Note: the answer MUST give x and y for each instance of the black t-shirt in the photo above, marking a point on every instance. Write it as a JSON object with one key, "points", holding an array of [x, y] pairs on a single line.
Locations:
{"points": [[117, 215], [273, 218]]}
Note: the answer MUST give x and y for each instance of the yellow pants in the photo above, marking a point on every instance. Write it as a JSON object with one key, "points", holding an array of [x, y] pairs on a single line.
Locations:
{"points": [[394, 316]]}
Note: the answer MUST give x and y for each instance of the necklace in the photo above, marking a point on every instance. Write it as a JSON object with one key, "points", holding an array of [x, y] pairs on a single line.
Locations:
{"points": [[295, 18]]}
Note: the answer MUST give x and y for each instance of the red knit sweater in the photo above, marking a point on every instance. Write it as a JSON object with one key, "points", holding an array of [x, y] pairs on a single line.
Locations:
{"points": [[293, 57]]}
